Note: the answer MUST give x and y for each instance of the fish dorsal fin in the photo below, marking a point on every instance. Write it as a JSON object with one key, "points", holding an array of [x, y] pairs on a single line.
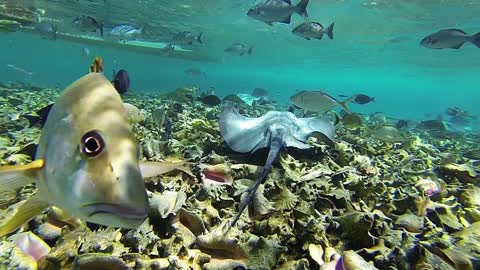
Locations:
{"points": [[97, 65], [453, 29], [13, 177], [32, 207]]}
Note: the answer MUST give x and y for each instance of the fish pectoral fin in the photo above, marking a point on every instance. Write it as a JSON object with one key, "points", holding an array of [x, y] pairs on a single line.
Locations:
{"points": [[457, 46], [286, 20], [155, 168], [32, 207], [13, 177]]}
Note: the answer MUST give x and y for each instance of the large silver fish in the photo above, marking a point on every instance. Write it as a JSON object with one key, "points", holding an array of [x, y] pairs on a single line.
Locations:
{"points": [[281, 11], [318, 101], [86, 162], [449, 39]]}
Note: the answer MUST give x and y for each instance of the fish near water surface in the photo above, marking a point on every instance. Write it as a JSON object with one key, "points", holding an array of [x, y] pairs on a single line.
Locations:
{"points": [[309, 30], [187, 38], [86, 161], [449, 39], [126, 32], [363, 99], [88, 24], [47, 29], [280, 11]]}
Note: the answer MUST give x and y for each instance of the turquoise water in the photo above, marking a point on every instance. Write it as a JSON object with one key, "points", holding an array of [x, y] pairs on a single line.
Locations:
{"points": [[375, 51]]}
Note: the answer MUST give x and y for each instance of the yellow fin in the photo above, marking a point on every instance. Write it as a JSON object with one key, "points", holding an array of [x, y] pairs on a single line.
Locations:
{"points": [[24, 213], [154, 168], [13, 177]]}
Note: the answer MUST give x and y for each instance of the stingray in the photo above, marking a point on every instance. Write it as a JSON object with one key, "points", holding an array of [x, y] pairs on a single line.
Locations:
{"points": [[274, 130]]}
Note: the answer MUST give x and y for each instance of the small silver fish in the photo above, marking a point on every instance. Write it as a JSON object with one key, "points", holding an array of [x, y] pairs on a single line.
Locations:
{"points": [[126, 31], [449, 39], [168, 49], [187, 38], [309, 30], [47, 29], [280, 11], [238, 49], [19, 69], [88, 24]]}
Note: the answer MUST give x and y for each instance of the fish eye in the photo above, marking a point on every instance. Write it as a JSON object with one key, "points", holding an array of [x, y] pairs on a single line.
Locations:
{"points": [[92, 144]]}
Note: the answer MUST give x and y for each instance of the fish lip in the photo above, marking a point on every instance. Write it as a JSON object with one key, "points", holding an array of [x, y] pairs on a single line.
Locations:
{"points": [[123, 211]]}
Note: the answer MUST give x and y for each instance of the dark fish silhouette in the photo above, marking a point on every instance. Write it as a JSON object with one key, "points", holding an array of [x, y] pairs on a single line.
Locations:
{"points": [[363, 99], [167, 134], [121, 81], [211, 100], [259, 92], [41, 116]]}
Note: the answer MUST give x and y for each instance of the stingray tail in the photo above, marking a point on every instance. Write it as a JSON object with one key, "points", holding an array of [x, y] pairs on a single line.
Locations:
{"points": [[276, 144]]}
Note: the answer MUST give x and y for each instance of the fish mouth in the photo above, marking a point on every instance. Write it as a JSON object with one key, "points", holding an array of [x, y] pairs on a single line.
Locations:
{"points": [[123, 211]]}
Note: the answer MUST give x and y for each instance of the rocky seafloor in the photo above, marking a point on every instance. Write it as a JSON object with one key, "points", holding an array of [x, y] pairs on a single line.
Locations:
{"points": [[363, 204]]}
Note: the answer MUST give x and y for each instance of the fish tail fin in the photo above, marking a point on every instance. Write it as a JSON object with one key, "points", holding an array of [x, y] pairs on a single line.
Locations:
{"points": [[475, 39], [344, 103], [329, 31], [32, 120], [302, 9], [250, 50], [16, 176], [372, 99], [55, 31], [336, 118], [100, 27], [32, 207], [199, 38]]}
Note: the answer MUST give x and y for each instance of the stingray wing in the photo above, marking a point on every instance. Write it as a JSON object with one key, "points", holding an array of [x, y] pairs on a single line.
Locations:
{"points": [[243, 134], [316, 127]]}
